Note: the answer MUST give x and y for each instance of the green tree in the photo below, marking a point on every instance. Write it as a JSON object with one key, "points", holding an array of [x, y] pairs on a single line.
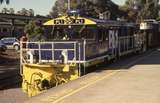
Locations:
{"points": [[91, 8], [30, 12], [11, 11], [23, 11], [34, 31], [5, 10], [59, 8], [26, 12], [142, 9]]}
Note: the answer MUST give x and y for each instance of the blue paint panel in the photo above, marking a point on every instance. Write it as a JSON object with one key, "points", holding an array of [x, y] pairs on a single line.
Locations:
{"points": [[70, 55], [46, 46], [46, 55], [64, 46], [57, 55], [96, 49]]}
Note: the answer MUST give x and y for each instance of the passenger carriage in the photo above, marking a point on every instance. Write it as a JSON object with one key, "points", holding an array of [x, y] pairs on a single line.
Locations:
{"points": [[77, 43]]}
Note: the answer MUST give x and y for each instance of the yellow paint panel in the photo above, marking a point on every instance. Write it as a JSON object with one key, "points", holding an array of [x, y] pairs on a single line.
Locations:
{"points": [[34, 74], [70, 20]]}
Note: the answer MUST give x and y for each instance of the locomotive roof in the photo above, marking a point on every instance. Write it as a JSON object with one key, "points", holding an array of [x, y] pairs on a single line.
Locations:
{"points": [[112, 22], [76, 20], [70, 20]]}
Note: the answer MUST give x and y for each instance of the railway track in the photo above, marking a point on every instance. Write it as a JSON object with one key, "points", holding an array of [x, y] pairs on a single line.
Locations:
{"points": [[9, 69], [10, 79]]}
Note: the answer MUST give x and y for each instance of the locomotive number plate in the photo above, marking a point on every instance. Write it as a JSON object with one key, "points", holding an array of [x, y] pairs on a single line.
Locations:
{"points": [[69, 21]]}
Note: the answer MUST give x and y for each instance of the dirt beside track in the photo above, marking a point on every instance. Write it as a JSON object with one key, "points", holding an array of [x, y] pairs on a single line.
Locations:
{"points": [[9, 63], [9, 57], [9, 72]]}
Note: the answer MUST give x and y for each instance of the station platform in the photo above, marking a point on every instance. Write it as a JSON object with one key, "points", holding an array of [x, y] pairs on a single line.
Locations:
{"points": [[136, 81]]}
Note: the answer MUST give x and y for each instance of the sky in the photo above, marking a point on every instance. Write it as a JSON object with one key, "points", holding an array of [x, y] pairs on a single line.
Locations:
{"points": [[41, 7]]}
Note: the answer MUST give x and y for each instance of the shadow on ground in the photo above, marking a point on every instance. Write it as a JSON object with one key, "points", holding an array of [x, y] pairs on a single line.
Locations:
{"points": [[149, 58]]}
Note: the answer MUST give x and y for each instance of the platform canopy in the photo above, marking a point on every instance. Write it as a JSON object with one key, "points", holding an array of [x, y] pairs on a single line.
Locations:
{"points": [[70, 20]]}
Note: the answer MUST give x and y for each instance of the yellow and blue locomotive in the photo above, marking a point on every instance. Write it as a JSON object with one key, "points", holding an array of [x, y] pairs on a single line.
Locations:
{"points": [[77, 44]]}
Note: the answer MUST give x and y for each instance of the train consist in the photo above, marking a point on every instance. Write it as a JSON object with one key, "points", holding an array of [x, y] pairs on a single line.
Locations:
{"points": [[78, 44]]}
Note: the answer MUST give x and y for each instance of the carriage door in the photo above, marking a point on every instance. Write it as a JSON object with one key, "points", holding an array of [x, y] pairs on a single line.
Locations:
{"points": [[113, 42]]}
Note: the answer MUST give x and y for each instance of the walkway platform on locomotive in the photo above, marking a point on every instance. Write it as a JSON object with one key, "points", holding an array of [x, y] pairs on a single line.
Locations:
{"points": [[133, 80]]}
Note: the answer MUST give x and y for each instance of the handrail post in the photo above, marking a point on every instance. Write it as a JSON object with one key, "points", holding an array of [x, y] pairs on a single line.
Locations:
{"points": [[39, 49], [127, 43], [124, 44], [53, 51], [75, 57], [119, 47], [79, 59], [84, 56], [21, 61]]}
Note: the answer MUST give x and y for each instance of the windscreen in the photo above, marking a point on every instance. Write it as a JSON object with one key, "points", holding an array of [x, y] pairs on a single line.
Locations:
{"points": [[73, 33]]}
